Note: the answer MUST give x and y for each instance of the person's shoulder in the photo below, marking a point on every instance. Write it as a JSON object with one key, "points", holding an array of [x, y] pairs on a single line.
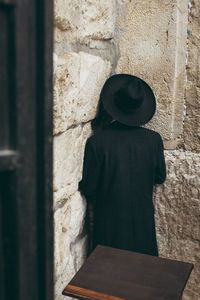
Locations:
{"points": [[90, 140], [152, 133], [95, 137], [99, 139]]}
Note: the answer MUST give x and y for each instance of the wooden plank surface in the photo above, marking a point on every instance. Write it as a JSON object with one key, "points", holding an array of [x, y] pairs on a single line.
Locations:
{"points": [[73, 290], [121, 274]]}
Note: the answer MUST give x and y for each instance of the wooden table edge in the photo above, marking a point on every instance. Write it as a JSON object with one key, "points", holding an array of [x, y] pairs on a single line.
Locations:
{"points": [[72, 290]]}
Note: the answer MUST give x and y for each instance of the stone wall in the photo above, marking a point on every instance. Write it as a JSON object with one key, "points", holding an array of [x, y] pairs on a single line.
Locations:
{"points": [[84, 56], [178, 201], [154, 40], [157, 42]]}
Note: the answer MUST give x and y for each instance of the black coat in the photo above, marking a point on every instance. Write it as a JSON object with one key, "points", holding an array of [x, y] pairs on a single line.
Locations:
{"points": [[121, 166]]}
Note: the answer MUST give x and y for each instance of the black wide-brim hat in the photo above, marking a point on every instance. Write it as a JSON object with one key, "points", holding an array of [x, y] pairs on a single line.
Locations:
{"points": [[139, 99]]}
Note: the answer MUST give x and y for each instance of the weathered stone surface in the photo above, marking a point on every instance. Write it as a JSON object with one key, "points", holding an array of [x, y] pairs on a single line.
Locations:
{"points": [[178, 213], [70, 241], [78, 80], [75, 261], [80, 24], [68, 156], [97, 21], [192, 119], [66, 14], [67, 22], [87, 19], [151, 36], [68, 227], [152, 40]]}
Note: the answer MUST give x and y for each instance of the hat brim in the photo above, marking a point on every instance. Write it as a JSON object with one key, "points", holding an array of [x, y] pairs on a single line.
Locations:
{"points": [[140, 116]]}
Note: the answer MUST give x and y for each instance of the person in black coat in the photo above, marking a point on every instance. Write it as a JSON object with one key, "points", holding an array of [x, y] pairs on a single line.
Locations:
{"points": [[122, 163]]}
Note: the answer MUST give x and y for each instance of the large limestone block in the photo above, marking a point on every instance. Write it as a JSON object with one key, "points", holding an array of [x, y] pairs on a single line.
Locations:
{"points": [[178, 213], [66, 21], [66, 14], [70, 268], [152, 40], [78, 79], [70, 240], [192, 120], [68, 157], [68, 226], [87, 20], [97, 20]]}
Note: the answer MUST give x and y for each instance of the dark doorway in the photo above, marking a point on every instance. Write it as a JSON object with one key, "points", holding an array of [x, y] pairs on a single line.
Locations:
{"points": [[26, 226]]}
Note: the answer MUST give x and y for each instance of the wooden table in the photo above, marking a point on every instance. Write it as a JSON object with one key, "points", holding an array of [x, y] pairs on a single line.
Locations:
{"points": [[113, 274]]}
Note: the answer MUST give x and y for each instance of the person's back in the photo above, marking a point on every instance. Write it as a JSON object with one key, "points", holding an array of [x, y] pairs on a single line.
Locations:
{"points": [[121, 165]]}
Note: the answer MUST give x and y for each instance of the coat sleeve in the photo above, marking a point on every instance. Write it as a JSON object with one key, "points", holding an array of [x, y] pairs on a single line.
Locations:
{"points": [[90, 176], [160, 174]]}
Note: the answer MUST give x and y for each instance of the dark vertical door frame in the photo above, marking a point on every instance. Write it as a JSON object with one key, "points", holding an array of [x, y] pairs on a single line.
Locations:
{"points": [[26, 205]]}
